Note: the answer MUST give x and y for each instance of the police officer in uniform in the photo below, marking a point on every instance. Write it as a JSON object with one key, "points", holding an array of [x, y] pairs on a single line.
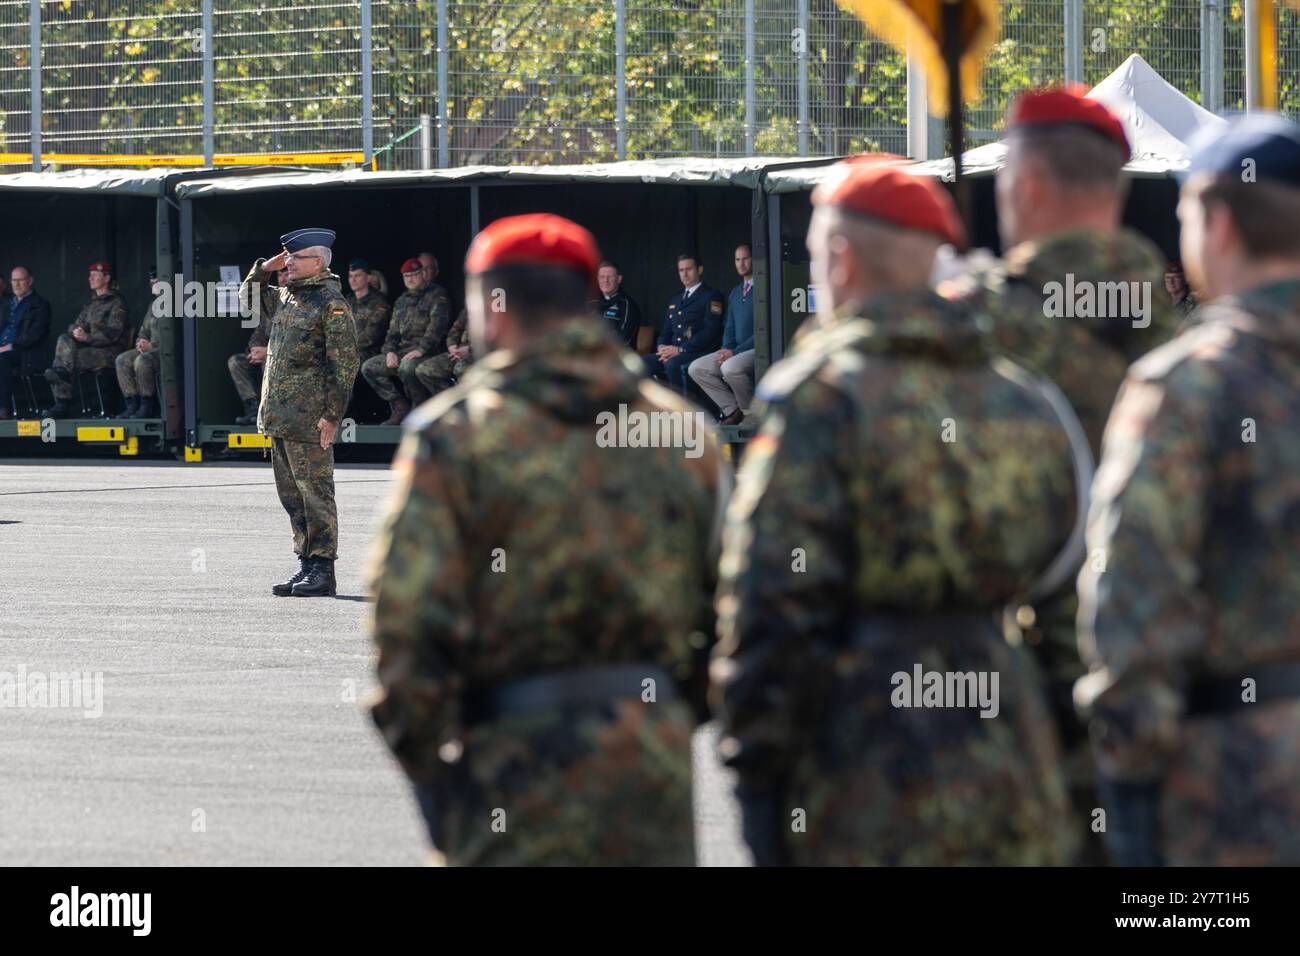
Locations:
{"points": [[311, 363], [692, 327]]}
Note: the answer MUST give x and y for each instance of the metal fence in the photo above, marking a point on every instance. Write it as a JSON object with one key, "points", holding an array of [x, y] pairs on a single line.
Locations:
{"points": [[415, 83]]}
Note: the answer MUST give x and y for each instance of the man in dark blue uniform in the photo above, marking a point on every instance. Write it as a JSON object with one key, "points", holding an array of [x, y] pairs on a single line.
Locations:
{"points": [[622, 313], [692, 327]]}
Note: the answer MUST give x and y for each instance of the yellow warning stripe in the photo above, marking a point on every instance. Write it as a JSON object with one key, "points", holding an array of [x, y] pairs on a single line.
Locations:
{"points": [[248, 440], [221, 159]]}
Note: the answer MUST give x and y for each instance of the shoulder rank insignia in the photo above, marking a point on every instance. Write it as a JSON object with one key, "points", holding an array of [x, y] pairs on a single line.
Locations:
{"points": [[715, 307]]}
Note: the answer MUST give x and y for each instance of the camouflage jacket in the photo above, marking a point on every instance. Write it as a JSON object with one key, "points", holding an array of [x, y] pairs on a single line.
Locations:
{"points": [[516, 545], [417, 314], [902, 474], [458, 335], [1077, 307], [371, 315], [105, 322], [311, 360], [149, 325], [1194, 535], [258, 284]]}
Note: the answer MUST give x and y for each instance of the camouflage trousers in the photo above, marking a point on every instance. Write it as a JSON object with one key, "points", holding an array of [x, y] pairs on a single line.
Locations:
{"points": [[440, 372], [246, 376], [71, 357], [137, 373], [304, 479], [390, 383]]}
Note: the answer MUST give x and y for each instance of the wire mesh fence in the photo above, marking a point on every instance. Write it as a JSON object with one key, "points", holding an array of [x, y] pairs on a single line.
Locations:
{"points": [[457, 82]]}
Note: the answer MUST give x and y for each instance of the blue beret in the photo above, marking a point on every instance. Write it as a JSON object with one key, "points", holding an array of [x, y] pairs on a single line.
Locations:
{"points": [[1269, 141], [359, 264], [300, 239]]}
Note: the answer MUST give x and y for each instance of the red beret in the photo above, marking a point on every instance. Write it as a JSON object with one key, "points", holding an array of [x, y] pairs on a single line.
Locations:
{"points": [[885, 190], [100, 267], [537, 239], [1058, 105], [412, 265]]}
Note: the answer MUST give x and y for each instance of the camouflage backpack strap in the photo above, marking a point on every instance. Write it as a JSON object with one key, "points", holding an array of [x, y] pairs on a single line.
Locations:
{"points": [[824, 347], [1071, 555]]}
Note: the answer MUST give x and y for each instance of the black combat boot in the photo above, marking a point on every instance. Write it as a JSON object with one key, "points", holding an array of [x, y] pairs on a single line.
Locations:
{"points": [[319, 581], [286, 589], [250, 413], [148, 407], [398, 409], [131, 409], [59, 409]]}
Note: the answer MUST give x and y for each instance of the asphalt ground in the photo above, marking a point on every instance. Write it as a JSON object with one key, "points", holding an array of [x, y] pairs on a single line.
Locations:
{"points": [[231, 728]]}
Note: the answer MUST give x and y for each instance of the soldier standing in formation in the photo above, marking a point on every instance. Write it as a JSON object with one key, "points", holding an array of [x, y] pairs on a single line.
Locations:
{"points": [[903, 488], [137, 368], [542, 602], [92, 341], [1060, 198], [311, 364], [1190, 614], [418, 315]]}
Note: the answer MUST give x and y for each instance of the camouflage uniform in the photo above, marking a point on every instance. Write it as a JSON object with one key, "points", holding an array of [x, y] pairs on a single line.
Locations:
{"points": [[608, 563], [105, 322], [420, 320], [311, 363], [1195, 516], [442, 371], [137, 372], [860, 542], [1087, 359], [246, 374], [371, 315]]}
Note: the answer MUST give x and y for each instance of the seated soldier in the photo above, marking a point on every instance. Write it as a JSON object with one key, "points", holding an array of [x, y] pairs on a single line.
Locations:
{"points": [[93, 340], [370, 310], [246, 367], [137, 368], [443, 371], [418, 328]]}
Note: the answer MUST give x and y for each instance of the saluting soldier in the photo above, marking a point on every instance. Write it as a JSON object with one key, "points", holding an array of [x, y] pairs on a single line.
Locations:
{"points": [[905, 485], [92, 341], [137, 368], [1190, 613], [542, 640], [311, 363], [692, 327]]}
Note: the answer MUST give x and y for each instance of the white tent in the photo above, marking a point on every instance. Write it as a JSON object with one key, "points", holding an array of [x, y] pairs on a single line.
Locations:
{"points": [[1159, 121]]}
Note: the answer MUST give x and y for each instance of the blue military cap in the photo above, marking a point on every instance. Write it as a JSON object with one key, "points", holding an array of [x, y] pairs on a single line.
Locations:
{"points": [[359, 264], [1265, 145], [300, 239]]}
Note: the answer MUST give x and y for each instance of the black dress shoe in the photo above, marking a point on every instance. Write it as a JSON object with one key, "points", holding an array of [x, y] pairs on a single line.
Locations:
{"points": [[735, 418], [286, 589], [319, 581]]}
